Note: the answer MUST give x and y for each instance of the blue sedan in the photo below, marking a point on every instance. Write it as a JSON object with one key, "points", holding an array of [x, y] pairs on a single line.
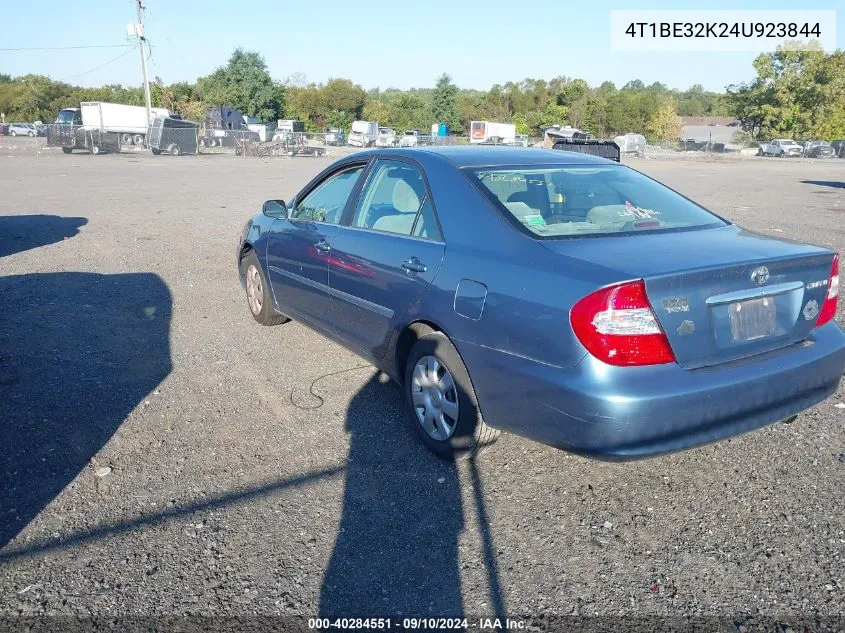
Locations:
{"points": [[555, 295]]}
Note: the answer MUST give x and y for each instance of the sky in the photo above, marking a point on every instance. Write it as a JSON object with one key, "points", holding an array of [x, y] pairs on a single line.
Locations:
{"points": [[375, 43]]}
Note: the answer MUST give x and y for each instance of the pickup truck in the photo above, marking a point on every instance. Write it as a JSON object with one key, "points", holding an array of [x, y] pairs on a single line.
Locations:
{"points": [[780, 147]]}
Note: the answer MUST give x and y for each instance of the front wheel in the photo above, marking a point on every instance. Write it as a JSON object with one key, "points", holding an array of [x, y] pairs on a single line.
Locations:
{"points": [[442, 402], [138, 139], [174, 149], [67, 150], [258, 293]]}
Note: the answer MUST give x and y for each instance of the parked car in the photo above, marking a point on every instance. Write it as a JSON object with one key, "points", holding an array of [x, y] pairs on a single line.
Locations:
{"points": [[785, 148], [411, 138], [601, 313], [386, 137], [838, 148], [818, 149], [22, 129]]}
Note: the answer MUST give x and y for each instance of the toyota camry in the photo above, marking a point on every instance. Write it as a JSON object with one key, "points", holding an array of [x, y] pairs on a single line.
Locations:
{"points": [[563, 297]]}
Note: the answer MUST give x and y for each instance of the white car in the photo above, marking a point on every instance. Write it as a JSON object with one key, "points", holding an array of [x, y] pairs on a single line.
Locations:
{"points": [[386, 137], [22, 129], [780, 147]]}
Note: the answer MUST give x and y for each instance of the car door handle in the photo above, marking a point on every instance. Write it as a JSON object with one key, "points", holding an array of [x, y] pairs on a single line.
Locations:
{"points": [[414, 265], [323, 246]]}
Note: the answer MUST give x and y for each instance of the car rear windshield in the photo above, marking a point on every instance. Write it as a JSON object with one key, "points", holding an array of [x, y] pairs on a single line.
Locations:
{"points": [[574, 200]]}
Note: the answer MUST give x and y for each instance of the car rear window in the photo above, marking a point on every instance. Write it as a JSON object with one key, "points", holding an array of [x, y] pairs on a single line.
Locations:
{"points": [[573, 200]]}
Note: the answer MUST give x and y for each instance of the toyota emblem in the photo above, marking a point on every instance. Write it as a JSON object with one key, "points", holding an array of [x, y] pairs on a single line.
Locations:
{"points": [[760, 275]]}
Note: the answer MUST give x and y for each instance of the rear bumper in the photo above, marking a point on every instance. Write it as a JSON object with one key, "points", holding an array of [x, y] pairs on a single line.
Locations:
{"points": [[622, 413]]}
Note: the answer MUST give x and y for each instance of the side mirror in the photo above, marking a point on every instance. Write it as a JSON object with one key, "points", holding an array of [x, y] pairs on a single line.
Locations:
{"points": [[275, 209]]}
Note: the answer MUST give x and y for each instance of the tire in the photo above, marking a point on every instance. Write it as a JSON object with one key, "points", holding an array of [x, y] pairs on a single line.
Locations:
{"points": [[782, 154], [469, 435], [13, 133], [126, 139], [95, 149], [155, 152], [67, 150], [262, 309], [31, 135], [174, 149], [138, 139], [759, 152]]}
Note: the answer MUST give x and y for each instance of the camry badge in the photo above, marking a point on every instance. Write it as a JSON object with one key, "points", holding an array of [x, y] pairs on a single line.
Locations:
{"points": [[760, 275], [811, 310]]}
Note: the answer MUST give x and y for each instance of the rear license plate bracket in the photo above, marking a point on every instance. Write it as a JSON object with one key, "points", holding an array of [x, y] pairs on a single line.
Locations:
{"points": [[753, 319]]}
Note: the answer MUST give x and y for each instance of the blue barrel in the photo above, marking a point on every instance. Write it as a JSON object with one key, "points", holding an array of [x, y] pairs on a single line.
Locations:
{"points": [[442, 130]]}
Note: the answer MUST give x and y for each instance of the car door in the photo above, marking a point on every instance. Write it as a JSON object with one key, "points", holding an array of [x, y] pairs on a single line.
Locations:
{"points": [[385, 256], [298, 247]]}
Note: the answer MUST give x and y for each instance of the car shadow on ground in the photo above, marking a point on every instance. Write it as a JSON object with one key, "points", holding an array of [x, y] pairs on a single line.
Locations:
{"points": [[396, 552], [24, 232], [78, 352], [825, 183]]}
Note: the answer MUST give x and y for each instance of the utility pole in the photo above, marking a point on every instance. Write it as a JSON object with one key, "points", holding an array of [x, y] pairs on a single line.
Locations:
{"points": [[139, 30]]}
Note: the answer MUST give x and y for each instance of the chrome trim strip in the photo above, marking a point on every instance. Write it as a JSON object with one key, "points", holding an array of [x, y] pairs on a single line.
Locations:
{"points": [[756, 293]]}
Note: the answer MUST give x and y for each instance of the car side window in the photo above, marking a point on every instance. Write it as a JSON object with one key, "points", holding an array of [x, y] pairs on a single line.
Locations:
{"points": [[426, 225], [391, 199], [326, 202]]}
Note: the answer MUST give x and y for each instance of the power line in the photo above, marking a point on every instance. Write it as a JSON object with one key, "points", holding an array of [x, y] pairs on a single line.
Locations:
{"points": [[111, 61], [65, 48]]}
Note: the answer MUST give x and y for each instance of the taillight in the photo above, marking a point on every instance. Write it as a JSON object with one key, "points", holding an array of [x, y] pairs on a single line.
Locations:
{"points": [[618, 326], [828, 311]]}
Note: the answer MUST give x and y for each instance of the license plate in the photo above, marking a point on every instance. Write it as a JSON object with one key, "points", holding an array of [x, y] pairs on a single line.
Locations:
{"points": [[752, 319]]}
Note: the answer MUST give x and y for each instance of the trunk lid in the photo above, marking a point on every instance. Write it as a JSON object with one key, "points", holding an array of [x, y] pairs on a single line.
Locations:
{"points": [[719, 294]]}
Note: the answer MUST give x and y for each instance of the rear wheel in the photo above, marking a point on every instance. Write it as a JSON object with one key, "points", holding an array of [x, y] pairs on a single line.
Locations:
{"points": [[442, 402], [67, 150], [95, 149], [13, 133], [126, 139], [156, 152], [174, 149], [138, 139], [258, 293]]}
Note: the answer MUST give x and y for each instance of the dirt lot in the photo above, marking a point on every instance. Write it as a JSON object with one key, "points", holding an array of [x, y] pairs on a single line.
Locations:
{"points": [[125, 335]]}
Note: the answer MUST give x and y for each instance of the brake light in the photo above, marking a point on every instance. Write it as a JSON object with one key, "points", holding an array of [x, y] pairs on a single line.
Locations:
{"points": [[618, 326], [828, 311]]}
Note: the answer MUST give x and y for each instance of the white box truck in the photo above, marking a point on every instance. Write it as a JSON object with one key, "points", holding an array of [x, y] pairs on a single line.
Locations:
{"points": [[364, 134], [130, 122], [492, 133]]}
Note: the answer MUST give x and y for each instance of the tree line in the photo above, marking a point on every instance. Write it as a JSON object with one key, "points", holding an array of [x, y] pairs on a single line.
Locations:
{"points": [[799, 93]]}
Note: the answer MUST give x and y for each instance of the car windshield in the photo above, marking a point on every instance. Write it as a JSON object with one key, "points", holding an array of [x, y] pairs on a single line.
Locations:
{"points": [[573, 200]]}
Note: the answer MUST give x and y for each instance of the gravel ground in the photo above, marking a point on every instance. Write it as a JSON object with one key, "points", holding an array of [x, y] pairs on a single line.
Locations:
{"points": [[162, 454]]}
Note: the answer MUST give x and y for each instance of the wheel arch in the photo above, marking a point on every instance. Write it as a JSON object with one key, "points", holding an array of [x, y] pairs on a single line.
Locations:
{"points": [[406, 339]]}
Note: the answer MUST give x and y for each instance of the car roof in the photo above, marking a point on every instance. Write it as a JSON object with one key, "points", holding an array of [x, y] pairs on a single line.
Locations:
{"points": [[490, 155]]}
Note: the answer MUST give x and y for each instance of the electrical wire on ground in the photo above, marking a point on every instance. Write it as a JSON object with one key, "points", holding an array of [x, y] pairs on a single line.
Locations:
{"points": [[318, 379]]}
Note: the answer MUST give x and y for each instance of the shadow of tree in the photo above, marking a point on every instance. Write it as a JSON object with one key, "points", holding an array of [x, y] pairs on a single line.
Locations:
{"points": [[24, 232], [78, 352], [825, 183]]}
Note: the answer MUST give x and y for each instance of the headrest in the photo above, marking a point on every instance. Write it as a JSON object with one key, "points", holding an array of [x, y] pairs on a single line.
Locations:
{"points": [[405, 199]]}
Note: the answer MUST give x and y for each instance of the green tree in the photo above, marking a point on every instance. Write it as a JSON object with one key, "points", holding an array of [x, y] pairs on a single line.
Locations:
{"points": [[245, 84], [444, 105]]}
